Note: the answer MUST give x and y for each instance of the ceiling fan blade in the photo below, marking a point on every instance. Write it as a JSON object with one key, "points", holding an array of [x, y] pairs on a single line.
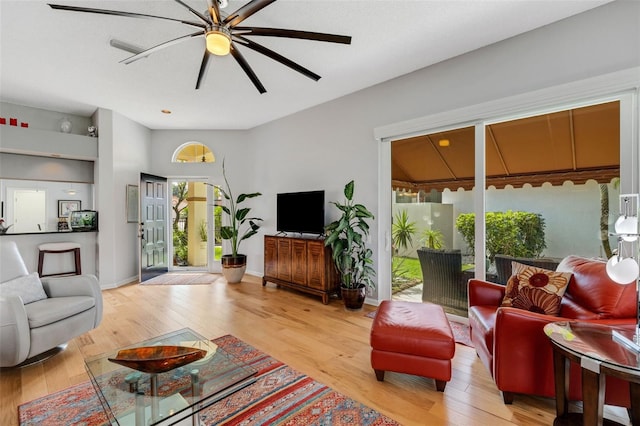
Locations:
{"points": [[125, 46], [214, 11], [203, 68], [280, 32], [246, 11], [276, 57], [247, 69], [195, 12], [160, 46], [121, 13]]}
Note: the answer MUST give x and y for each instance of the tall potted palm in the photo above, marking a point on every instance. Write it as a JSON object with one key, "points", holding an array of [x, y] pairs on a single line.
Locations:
{"points": [[353, 259], [240, 227]]}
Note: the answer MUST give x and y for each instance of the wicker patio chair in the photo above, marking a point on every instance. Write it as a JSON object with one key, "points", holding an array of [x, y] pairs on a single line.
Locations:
{"points": [[443, 282], [503, 265]]}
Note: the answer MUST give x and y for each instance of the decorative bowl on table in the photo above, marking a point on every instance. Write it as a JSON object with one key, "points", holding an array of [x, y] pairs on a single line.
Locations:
{"points": [[157, 359]]}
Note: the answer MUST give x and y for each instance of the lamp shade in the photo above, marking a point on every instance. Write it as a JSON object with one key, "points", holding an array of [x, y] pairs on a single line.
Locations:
{"points": [[218, 42], [622, 271], [627, 226]]}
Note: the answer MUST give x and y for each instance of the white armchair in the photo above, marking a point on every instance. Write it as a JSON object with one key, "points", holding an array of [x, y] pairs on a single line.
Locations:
{"points": [[34, 317]]}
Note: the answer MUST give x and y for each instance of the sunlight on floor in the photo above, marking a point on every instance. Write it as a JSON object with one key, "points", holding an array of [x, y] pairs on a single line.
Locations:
{"points": [[411, 294]]}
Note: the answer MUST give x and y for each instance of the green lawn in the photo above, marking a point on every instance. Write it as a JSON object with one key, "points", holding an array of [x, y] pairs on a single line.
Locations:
{"points": [[409, 266], [406, 273]]}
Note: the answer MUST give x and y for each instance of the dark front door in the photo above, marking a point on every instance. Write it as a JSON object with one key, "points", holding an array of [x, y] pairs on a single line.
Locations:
{"points": [[153, 226]]}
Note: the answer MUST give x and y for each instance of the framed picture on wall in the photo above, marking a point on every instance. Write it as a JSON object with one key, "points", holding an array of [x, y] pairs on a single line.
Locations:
{"points": [[67, 206], [132, 203]]}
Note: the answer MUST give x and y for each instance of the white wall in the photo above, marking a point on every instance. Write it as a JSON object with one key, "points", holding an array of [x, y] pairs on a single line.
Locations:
{"points": [[228, 145], [124, 151], [225, 144], [326, 146]]}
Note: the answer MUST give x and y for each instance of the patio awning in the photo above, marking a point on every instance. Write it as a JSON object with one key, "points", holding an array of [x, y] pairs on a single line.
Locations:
{"points": [[573, 145]]}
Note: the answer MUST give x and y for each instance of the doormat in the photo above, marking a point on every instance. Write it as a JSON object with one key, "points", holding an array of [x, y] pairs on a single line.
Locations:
{"points": [[460, 330], [183, 278], [280, 395]]}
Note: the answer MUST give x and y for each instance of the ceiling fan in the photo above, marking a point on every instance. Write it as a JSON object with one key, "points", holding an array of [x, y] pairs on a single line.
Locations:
{"points": [[222, 33]]}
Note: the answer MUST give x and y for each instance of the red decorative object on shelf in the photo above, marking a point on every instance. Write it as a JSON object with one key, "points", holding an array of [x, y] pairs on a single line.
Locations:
{"points": [[13, 121], [3, 120], [157, 359], [23, 124]]}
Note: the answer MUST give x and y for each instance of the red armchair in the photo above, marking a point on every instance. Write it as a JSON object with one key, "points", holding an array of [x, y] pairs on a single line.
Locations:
{"points": [[511, 342]]}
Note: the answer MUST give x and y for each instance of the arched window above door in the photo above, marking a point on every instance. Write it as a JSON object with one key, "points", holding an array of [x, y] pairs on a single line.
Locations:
{"points": [[193, 152]]}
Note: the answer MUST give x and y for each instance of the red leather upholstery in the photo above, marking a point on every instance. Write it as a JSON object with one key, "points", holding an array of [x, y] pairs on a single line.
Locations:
{"points": [[511, 342], [412, 338]]}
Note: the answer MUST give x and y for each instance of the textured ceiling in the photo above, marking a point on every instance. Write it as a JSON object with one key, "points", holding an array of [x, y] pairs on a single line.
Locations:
{"points": [[63, 61]]}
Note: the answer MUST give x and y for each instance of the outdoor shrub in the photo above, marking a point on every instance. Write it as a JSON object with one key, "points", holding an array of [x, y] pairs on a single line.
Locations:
{"points": [[202, 231], [518, 234], [402, 231], [433, 239], [180, 247], [217, 216]]}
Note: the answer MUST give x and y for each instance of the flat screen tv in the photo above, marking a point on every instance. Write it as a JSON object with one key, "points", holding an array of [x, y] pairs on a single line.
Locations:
{"points": [[301, 212]]}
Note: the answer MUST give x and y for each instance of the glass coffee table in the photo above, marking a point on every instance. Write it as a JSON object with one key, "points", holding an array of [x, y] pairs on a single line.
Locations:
{"points": [[131, 397], [598, 350]]}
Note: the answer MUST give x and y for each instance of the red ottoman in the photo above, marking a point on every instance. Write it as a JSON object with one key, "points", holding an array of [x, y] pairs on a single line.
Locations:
{"points": [[412, 338]]}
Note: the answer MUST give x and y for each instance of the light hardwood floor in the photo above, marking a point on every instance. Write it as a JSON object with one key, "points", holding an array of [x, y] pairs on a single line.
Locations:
{"points": [[323, 341]]}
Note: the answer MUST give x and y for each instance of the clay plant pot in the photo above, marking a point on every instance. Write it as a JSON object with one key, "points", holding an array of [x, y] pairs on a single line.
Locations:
{"points": [[233, 267], [354, 297]]}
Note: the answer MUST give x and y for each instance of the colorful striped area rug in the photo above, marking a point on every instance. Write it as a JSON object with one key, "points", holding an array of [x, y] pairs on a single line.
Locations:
{"points": [[280, 396]]}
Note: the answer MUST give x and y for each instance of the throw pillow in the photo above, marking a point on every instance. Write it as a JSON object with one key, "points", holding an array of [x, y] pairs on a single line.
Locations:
{"points": [[28, 287], [536, 289]]}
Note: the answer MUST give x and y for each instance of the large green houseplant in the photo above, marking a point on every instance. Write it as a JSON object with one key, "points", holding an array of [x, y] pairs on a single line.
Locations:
{"points": [[240, 227], [353, 259]]}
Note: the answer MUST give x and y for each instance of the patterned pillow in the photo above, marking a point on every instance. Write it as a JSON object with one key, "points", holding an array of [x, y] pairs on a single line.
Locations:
{"points": [[535, 289], [28, 287]]}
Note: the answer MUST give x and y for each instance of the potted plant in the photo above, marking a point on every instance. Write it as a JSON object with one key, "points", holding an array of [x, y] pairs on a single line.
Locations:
{"points": [[240, 227], [346, 237]]}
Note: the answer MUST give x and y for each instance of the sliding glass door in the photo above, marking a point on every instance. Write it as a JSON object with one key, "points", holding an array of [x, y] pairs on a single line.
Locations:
{"points": [[550, 182], [432, 182]]}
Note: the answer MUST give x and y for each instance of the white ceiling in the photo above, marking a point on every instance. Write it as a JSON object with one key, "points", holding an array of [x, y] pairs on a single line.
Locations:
{"points": [[62, 61]]}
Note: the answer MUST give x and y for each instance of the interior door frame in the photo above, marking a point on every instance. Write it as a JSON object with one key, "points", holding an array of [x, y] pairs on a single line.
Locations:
{"points": [[213, 265]]}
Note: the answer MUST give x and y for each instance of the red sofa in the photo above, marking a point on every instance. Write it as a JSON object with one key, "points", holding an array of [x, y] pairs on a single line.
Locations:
{"points": [[512, 344]]}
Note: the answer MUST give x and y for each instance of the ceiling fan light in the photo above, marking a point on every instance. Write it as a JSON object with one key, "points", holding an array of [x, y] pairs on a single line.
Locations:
{"points": [[218, 42]]}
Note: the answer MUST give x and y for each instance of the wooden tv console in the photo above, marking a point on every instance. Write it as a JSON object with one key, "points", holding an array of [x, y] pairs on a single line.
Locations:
{"points": [[300, 263]]}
